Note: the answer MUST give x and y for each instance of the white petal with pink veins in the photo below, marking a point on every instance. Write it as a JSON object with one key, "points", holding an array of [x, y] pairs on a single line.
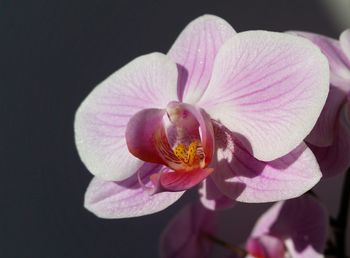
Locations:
{"points": [[195, 50], [335, 52], [269, 88], [148, 81], [127, 198], [242, 177]]}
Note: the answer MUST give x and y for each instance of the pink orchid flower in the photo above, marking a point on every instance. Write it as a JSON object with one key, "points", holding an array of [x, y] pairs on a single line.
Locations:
{"points": [[295, 228], [330, 139], [227, 109], [186, 234]]}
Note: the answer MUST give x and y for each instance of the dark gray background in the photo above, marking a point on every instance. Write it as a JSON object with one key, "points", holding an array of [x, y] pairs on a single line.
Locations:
{"points": [[52, 53]]}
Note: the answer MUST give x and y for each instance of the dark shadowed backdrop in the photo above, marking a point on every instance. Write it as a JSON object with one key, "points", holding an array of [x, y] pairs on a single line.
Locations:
{"points": [[52, 54]]}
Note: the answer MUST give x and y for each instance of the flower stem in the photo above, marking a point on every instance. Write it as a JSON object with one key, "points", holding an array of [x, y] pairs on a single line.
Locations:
{"points": [[235, 249], [341, 220]]}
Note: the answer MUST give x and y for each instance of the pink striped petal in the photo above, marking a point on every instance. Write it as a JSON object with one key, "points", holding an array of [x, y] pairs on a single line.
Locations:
{"points": [[268, 87], [146, 82], [124, 199], [323, 133], [242, 177], [212, 198], [194, 51], [301, 223], [184, 236], [338, 62], [266, 247], [345, 44], [335, 159]]}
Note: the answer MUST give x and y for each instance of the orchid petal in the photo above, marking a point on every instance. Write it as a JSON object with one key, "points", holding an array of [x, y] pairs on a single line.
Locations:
{"points": [[345, 44], [268, 87], [323, 133], [124, 199], [212, 198], [301, 222], [338, 62], [184, 237], [266, 246], [180, 180], [146, 82], [140, 133], [194, 51], [335, 159], [242, 177]]}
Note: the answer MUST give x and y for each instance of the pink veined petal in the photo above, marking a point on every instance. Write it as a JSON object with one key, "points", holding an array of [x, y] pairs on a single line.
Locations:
{"points": [[127, 198], [184, 236], [323, 133], [242, 177], [268, 87], [266, 247], [335, 159], [212, 198], [180, 180], [148, 81], [302, 223], [194, 51], [345, 43], [338, 62]]}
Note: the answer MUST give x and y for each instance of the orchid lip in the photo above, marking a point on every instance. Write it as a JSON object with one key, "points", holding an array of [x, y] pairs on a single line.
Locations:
{"points": [[180, 138]]}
